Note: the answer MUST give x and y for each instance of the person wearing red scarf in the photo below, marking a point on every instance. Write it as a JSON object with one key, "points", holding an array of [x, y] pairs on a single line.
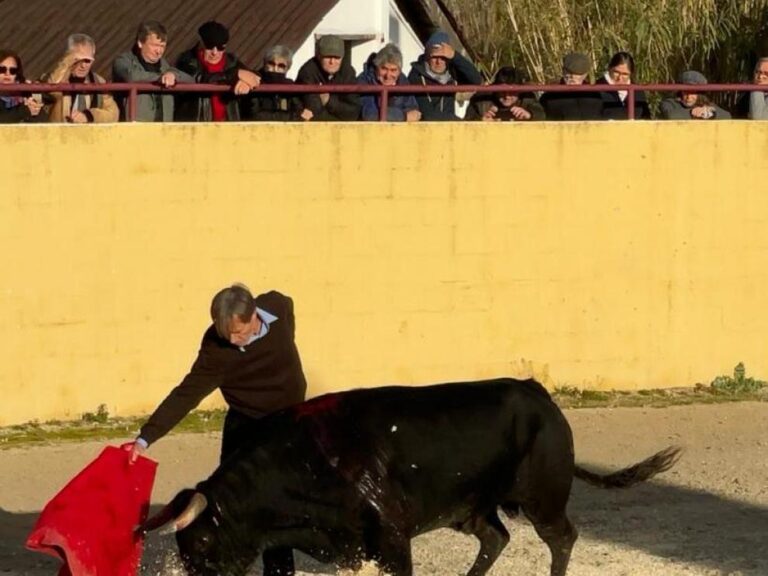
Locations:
{"points": [[210, 63]]}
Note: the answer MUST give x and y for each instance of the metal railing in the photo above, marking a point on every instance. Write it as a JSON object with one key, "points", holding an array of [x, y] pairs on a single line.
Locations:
{"points": [[134, 89]]}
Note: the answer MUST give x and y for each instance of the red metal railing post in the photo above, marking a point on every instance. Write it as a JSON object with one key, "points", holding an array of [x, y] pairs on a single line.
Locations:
{"points": [[383, 103], [631, 102], [133, 104]]}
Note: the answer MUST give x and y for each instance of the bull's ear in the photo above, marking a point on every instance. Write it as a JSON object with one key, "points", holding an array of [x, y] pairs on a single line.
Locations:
{"points": [[171, 510]]}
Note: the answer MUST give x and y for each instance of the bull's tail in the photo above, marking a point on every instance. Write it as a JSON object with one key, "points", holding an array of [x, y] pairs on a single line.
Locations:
{"points": [[640, 472]]}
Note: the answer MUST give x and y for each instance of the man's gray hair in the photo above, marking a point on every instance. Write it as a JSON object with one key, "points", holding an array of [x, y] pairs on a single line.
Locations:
{"points": [[79, 40], [279, 51], [760, 61], [390, 54], [236, 300]]}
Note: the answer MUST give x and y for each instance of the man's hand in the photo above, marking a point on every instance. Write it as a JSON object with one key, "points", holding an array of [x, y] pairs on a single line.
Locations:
{"points": [[306, 114], [703, 112], [324, 98], [168, 80], [520, 113], [241, 87], [443, 50], [250, 78], [490, 114], [136, 449], [413, 116], [77, 117]]}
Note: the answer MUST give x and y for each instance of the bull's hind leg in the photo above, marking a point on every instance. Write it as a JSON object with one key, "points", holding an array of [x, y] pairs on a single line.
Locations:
{"points": [[560, 536], [493, 538]]}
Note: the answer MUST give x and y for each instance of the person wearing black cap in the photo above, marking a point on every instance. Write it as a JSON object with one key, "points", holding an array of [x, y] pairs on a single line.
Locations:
{"points": [[441, 65], [505, 106], [573, 105], [690, 103], [209, 62], [329, 66]]}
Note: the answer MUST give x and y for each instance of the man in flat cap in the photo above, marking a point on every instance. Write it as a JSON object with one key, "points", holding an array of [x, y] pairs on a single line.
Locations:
{"points": [[209, 62], [691, 103], [329, 66], [573, 105]]}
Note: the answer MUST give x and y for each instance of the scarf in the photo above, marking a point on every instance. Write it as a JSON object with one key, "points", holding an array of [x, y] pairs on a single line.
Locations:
{"points": [[622, 93], [148, 66], [443, 78], [218, 108]]}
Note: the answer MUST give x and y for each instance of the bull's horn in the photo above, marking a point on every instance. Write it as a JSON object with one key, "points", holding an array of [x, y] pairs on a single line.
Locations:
{"points": [[196, 505]]}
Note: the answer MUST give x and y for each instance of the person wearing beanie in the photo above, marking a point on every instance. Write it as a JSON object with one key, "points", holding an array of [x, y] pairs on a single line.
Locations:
{"points": [[328, 66], [385, 68], [441, 65], [209, 62], [691, 103], [505, 106], [573, 105]]}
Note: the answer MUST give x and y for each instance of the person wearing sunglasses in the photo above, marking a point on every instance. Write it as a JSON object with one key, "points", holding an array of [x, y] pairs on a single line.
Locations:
{"points": [[273, 106], [621, 69], [17, 108], [75, 68], [209, 62], [505, 106]]}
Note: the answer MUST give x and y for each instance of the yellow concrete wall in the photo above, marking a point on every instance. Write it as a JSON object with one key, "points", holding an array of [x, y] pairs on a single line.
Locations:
{"points": [[616, 255]]}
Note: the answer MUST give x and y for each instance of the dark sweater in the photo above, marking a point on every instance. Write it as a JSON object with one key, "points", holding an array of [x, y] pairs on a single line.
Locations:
{"points": [[344, 107], [266, 377], [572, 105], [615, 109]]}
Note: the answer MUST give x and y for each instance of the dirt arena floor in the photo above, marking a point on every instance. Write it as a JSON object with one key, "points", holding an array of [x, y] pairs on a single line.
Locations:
{"points": [[708, 516]]}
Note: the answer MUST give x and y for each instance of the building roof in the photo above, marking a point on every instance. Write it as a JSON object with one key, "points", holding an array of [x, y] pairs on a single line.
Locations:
{"points": [[38, 29]]}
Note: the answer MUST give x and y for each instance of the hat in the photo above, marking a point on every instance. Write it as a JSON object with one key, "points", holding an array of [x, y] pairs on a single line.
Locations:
{"points": [[330, 45], [213, 34], [576, 63], [437, 38], [692, 77]]}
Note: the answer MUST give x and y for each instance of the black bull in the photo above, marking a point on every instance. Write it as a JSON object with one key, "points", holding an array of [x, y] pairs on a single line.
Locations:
{"points": [[356, 475]]}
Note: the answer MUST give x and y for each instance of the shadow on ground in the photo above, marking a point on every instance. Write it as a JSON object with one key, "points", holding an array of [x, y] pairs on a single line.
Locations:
{"points": [[688, 526]]}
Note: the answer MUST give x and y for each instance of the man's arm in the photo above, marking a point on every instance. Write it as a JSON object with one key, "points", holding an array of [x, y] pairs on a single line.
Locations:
{"points": [[126, 68]]}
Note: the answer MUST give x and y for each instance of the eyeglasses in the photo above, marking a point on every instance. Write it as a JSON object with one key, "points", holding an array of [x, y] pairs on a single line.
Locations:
{"points": [[277, 65], [620, 75], [8, 70], [761, 73], [219, 47]]}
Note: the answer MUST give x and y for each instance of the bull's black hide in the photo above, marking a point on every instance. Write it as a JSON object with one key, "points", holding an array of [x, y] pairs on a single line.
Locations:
{"points": [[356, 475]]}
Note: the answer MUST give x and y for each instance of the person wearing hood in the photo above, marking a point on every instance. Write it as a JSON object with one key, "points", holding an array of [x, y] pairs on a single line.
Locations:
{"points": [[209, 62], [385, 68], [505, 106], [573, 105], [145, 63], [690, 103], [273, 106], [329, 67], [441, 65], [621, 68]]}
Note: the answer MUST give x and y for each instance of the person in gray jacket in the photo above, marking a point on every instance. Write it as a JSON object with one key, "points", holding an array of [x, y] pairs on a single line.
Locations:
{"points": [[758, 100], [690, 103], [145, 63]]}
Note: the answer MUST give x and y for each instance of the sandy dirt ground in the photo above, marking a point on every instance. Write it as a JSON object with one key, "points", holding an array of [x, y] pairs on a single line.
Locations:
{"points": [[707, 516]]}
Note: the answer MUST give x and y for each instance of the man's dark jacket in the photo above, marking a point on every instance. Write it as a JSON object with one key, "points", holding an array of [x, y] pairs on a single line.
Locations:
{"points": [[196, 106], [340, 107], [442, 106], [260, 378], [572, 105], [615, 109], [271, 106]]}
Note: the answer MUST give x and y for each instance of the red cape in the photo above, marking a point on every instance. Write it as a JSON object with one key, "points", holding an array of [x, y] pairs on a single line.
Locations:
{"points": [[89, 524]]}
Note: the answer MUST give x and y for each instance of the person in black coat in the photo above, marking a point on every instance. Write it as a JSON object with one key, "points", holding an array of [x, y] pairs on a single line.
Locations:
{"points": [[573, 105], [273, 106], [621, 68], [329, 66]]}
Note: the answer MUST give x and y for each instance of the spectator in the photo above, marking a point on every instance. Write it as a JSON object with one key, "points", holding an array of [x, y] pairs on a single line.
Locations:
{"points": [[272, 106], [75, 68], [17, 108], [385, 68], [691, 104], [621, 68], [209, 62], [441, 65], [505, 106], [328, 67], [145, 63], [758, 100], [573, 105]]}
